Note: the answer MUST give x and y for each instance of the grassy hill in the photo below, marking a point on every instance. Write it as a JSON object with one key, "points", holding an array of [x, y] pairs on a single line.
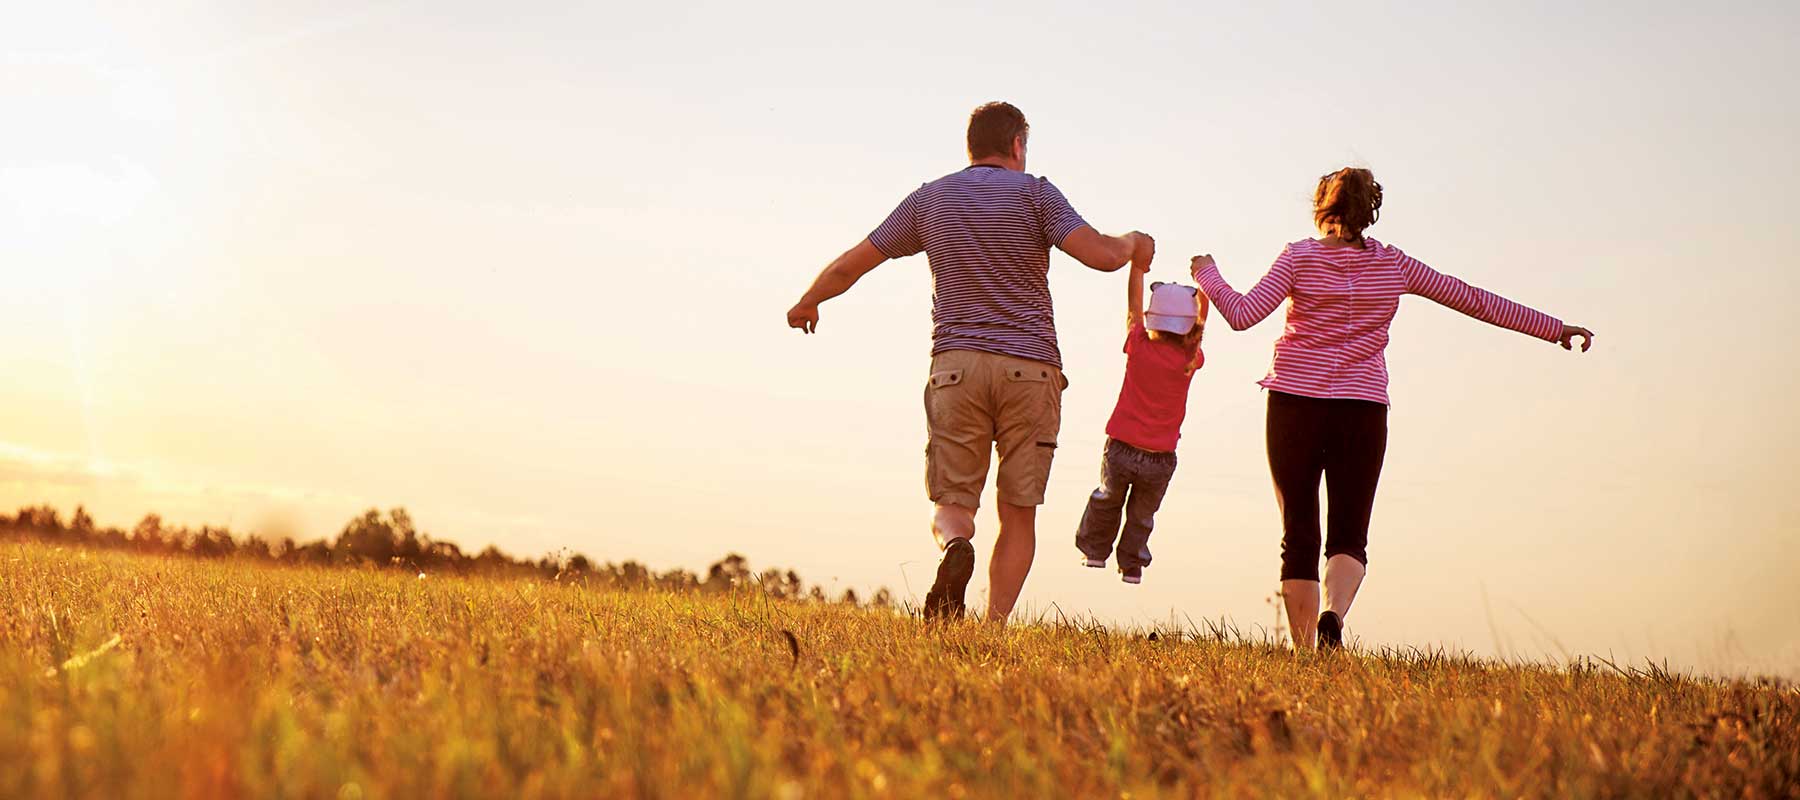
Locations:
{"points": [[136, 676]]}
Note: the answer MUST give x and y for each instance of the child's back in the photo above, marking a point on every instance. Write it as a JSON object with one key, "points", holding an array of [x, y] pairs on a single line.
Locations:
{"points": [[1153, 400]]}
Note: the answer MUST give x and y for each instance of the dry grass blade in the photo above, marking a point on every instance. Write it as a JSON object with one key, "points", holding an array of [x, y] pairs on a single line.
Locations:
{"points": [[793, 643], [77, 662]]}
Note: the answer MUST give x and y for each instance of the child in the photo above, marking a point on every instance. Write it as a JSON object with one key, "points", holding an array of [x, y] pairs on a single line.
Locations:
{"points": [[1162, 351]]}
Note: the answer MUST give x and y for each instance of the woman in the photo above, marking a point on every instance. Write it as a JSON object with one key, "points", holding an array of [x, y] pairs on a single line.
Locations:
{"points": [[1328, 399]]}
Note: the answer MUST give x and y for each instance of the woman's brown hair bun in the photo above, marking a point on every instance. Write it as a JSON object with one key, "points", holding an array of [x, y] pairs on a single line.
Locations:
{"points": [[1346, 202]]}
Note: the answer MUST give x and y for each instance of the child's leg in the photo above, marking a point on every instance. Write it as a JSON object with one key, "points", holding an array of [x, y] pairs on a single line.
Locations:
{"points": [[1100, 522], [1152, 482]]}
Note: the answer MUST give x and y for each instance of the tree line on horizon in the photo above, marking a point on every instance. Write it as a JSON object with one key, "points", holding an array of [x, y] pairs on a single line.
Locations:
{"points": [[392, 541]]}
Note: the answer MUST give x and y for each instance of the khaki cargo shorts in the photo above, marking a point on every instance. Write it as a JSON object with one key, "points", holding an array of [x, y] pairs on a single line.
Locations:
{"points": [[978, 402]]}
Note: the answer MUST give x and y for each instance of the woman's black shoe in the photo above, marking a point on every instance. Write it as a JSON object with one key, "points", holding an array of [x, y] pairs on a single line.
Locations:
{"points": [[1331, 631]]}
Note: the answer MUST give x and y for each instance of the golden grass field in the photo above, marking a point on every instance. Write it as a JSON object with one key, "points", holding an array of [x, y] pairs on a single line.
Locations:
{"points": [[228, 679]]}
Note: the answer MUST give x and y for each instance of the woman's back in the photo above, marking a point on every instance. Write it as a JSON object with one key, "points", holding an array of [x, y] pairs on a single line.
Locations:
{"points": [[1343, 300]]}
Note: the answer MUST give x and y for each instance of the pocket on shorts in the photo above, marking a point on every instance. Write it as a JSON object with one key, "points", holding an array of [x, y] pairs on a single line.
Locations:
{"points": [[943, 378], [1048, 395], [939, 389]]}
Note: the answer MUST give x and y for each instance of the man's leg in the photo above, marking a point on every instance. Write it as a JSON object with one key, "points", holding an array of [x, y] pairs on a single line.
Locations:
{"points": [[951, 521], [960, 428], [1026, 424], [1014, 550], [954, 526]]}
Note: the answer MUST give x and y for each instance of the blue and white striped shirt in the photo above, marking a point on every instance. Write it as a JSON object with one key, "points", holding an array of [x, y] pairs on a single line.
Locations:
{"points": [[987, 232]]}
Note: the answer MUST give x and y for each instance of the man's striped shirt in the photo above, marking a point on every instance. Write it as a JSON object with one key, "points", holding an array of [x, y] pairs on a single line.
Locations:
{"points": [[987, 232], [1344, 299]]}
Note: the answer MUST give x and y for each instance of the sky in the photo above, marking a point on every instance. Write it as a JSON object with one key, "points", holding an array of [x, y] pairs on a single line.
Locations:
{"points": [[523, 269]]}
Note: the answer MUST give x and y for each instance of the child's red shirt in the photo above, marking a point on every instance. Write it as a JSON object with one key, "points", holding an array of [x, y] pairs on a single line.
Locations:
{"points": [[1153, 401]]}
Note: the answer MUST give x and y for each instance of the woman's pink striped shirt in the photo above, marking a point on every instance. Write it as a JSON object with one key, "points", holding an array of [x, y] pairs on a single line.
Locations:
{"points": [[1344, 300]]}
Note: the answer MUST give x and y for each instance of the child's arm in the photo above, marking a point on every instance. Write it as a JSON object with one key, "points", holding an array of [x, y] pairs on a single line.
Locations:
{"points": [[1134, 295], [1199, 343]]}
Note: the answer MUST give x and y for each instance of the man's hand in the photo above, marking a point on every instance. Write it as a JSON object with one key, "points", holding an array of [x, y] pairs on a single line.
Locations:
{"points": [[1143, 250], [1569, 332], [1097, 251], [838, 277], [804, 316]]}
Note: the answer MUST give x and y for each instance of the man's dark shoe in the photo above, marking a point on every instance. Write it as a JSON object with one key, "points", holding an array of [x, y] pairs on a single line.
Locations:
{"points": [[945, 600], [1331, 631], [1132, 575]]}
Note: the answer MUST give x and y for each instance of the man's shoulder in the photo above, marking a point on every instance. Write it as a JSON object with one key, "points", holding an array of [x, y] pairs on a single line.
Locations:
{"points": [[988, 175]]}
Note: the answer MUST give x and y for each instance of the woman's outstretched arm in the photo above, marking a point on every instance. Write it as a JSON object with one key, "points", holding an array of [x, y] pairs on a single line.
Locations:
{"points": [[1486, 306], [1244, 310]]}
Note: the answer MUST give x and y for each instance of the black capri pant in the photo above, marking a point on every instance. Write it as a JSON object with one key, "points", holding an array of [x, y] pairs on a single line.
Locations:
{"points": [[1343, 440]]}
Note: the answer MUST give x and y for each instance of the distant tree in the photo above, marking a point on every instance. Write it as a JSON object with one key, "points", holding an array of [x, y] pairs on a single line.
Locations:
{"points": [[492, 560], [445, 555], [784, 585], [728, 573], [375, 540], [632, 575], [148, 535], [255, 547], [81, 524], [40, 519], [211, 543], [310, 553], [112, 538], [678, 580]]}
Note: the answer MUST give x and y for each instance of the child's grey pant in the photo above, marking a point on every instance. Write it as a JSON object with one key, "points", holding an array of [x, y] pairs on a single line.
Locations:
{"points": [[1132, 481]]}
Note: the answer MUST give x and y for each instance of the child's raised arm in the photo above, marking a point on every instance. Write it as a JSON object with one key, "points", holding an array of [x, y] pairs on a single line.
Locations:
{"points": [[1201, 307], [1134, 295]]}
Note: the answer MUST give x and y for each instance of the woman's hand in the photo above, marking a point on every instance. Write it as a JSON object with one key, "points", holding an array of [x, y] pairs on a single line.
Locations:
{"points": [[1567, 340], [1199, 263]]}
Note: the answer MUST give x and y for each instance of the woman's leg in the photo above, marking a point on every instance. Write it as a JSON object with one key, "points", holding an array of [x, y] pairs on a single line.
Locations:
{"points": [[1343, 577], [1295, 463], [1352, 470]]}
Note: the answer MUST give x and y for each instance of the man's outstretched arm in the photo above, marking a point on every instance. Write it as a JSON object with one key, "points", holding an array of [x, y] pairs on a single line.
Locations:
{"points": [[1105, 253], [837, 278]]}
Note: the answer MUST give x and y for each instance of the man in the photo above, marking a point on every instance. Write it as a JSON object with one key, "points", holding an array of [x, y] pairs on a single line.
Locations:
{"points": [[996, 372]]}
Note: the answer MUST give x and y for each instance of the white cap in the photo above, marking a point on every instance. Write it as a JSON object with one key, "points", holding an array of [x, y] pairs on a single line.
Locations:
{"points": [[1172, 308]]}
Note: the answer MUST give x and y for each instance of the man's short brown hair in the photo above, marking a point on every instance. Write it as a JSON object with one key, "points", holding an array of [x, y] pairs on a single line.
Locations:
{"points": [[992, 129]]}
